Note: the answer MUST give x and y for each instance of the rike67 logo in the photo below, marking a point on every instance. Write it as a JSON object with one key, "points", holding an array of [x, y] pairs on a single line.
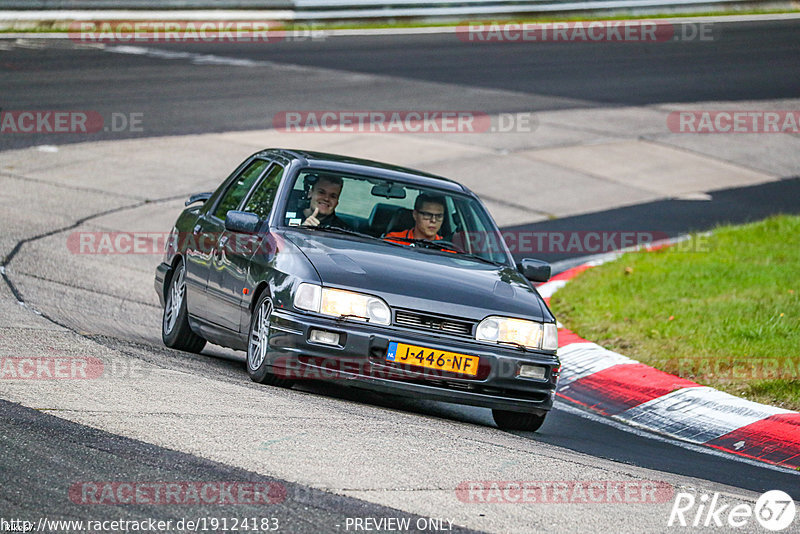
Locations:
{"points": [[774, 510]]}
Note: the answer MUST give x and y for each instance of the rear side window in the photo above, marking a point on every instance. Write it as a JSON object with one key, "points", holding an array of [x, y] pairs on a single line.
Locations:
{"points": [[261, 201], [240, 187]]}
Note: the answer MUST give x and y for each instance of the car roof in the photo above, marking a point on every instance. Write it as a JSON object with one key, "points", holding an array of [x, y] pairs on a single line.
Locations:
{"points": [[348, 164]]}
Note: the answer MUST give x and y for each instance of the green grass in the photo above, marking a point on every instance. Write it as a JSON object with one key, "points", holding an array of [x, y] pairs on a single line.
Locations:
{"points": [[722, 310]]}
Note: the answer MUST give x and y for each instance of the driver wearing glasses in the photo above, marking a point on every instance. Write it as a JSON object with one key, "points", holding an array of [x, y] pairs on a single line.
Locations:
{"points": [[428, 218]]}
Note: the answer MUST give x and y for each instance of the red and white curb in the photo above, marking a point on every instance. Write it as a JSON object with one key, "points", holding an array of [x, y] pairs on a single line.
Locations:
{"points": [[616, 386]]}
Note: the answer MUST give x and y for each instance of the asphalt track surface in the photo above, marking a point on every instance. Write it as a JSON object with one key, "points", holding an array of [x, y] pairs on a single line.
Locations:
{"points": [[755, 61], [33, 439], [744, 61]]}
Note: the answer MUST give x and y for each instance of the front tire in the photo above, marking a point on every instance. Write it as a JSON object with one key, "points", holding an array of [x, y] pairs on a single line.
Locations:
{"points": [[518, 420], [258, 345], [175, 330]]}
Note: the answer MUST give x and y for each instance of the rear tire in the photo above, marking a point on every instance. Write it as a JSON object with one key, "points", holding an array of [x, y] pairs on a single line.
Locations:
{"points": [[258, 345], [518, 420], [175, 330]]}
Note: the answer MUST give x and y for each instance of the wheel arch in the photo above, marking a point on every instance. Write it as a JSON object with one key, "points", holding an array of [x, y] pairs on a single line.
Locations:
{"points": [[169, 274], [259, 290]]}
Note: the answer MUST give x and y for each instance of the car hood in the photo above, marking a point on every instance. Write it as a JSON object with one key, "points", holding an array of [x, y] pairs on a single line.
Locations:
{"points": [[420, 279]]}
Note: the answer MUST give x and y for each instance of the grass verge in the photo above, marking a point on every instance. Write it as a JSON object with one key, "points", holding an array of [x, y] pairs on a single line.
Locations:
{"points": [[722, 310]]}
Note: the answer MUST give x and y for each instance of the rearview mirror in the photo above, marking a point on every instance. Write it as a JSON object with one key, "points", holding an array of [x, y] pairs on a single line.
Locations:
{"points": [[534, 270], [242, 222], [388, 191]]}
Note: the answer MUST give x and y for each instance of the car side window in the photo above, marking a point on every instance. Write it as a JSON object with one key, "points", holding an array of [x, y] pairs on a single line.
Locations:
{"points": [[487, 244], [261, 201], [237, 191]]}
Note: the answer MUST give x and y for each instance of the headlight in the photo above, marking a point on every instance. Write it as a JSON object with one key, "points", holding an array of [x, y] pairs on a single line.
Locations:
{"points": [[341, 303], [530, 334]]}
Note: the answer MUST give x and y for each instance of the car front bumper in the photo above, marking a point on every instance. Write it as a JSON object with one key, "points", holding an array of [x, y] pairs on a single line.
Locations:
{"points": [[359, 360]]}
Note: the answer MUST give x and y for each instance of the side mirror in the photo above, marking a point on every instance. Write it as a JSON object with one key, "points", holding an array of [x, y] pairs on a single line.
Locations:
{"points": [[534, 270], [198, 197], [242, 222]]}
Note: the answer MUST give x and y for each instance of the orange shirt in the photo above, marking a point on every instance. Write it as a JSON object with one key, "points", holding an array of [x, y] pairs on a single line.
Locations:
{"points": [[408, 234]]}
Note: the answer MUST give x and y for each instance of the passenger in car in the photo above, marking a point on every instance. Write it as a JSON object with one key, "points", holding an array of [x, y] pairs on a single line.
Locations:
{"points": [[428, 218], [323, 199]]}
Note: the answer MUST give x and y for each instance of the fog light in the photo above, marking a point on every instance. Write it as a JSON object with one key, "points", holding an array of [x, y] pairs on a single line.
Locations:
{"points": [[326, 338], [532, 371]]}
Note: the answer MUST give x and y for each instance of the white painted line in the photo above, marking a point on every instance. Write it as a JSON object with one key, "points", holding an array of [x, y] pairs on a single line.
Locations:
{"points": [[698, 414], [353, 11], [579, 360], [198, 59], [146, 15], [547, 289], [644, 432]]}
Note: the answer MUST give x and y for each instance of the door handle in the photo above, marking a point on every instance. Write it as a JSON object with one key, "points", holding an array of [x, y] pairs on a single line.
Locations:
{"points": [[197, 229], [223, 240]]}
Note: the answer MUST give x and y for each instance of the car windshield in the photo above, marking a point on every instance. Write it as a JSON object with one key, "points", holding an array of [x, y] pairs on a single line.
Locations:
{"points": [[397, 213]]}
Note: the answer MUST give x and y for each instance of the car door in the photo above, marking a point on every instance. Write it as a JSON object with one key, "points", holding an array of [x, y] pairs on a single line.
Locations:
{"points": [[233, 252], [209, 229]]}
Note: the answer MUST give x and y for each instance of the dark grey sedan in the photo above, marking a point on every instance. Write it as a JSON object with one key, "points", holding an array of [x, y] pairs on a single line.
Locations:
{"points": [[328, 267]]}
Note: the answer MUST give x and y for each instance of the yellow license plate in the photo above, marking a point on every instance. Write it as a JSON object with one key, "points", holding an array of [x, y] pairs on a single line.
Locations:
{"points": [[441, 360]]}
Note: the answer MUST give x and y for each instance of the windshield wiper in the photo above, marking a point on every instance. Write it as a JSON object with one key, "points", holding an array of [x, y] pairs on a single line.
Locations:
{"points": [[481, 258], [447, 246], [339, 230], [438, 245]]}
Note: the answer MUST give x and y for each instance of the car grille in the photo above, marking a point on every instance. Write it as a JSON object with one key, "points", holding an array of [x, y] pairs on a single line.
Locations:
{"points": [[434, 323]]}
